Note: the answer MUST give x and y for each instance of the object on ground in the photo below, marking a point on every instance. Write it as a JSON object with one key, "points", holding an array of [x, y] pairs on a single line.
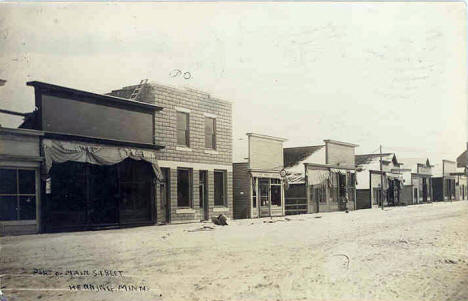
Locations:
{"points": [[220, 220]]}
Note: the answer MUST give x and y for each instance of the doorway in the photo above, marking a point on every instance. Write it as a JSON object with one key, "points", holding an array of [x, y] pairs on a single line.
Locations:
{"points": [[203, 197], [164, 196]]}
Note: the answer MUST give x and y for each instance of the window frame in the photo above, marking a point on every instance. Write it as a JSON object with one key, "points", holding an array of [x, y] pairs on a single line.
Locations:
{"points": [[213, 135], [186, 130], [224, 173], [190, 184], [18, 195]]}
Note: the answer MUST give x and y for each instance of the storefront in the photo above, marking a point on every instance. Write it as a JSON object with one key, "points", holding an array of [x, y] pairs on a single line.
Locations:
{"points": [[330, 188], [99, 167], [20, 197], [91, 186], [267, 194]]}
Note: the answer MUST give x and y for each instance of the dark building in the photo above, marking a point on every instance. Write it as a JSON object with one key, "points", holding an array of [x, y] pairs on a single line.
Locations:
{"points": [[98, 155]]}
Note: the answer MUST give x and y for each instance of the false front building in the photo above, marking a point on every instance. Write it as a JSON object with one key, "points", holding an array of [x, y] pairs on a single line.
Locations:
{"points": [[95, 155], [320, 178], [370, 180], [196, 162], [258, 185]]}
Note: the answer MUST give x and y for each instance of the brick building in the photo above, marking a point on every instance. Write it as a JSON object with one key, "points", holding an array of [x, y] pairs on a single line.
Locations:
{"points": [[321, 178], [196, 132]]}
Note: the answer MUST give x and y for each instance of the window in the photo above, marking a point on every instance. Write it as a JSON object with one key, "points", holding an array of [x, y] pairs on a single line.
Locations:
{"points": [[275, 192], [210, 132], [17, 194], [184, 187], [264, 190], [254, 192], [183, 137], [220, 188]]}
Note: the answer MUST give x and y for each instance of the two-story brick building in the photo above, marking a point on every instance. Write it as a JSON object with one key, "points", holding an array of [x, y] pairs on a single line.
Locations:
{"points": [[322, 175], [196, 162]]}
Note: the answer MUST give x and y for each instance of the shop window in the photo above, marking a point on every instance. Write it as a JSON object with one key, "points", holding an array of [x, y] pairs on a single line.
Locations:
{"points": [[210, 132], [254, 192], [17, 194], [264, 189], [184, 187], [275, 192], [220, 188], [183, 129]]}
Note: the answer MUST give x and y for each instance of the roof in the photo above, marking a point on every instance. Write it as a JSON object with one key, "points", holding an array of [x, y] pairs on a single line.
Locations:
{"points": [[104, 98], [294, 159], [294, 155], [147, 94], [365, 159], [340, 143], [266, 137], [462, 160]]}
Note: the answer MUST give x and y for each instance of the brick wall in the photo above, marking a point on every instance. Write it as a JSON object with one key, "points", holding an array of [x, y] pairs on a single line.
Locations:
{"points": [[198, 105]]}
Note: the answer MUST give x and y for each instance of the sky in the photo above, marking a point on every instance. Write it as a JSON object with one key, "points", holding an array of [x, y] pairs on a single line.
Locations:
{"points": [[390, 74]]}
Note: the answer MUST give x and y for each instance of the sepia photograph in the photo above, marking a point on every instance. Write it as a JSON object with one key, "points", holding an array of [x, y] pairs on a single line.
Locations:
{"points": [[228, 151]]}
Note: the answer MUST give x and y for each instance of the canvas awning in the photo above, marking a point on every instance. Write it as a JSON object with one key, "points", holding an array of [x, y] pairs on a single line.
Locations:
{"points": [[318, 176], [63, 151]]}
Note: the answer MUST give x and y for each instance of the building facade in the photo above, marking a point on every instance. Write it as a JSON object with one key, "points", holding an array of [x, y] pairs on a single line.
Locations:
{"points": [[196, 162], [257, 184], [444, 186], [95, 170], [320, 178], [20, 197], [370, 180]]}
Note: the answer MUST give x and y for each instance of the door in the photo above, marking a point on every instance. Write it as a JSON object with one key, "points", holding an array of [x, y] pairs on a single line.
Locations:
{"points": [[203, 191], [164, 196], [424, 189], [103, 194], [264, 190]]}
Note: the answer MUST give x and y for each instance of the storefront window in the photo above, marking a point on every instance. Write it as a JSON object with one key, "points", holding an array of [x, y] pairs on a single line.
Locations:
{"points": [[219, 188], [254, 192], [276, 192], [17, 194], [264, 188], [184, 185]]}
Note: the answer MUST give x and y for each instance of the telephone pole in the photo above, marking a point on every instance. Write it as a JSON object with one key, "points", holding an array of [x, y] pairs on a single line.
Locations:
{"points": [[381, 180]]}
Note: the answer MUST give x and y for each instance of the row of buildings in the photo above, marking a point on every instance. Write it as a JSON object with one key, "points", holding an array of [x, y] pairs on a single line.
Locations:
{"points": [[152, 154]]}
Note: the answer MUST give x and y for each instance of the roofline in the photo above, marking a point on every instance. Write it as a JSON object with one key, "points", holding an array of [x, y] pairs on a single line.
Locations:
{"points": [[329, 166], [376, 155], [266, 137], [450, 161], [20, 131], [52, 87], [296, 147], [340, 142]]}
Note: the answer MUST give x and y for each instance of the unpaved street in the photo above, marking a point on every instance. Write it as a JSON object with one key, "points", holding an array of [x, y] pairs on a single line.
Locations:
{"points": [[407, 253]]}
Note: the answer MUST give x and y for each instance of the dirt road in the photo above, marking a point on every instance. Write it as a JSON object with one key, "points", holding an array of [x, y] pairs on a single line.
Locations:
{"points": [[407, 253]]}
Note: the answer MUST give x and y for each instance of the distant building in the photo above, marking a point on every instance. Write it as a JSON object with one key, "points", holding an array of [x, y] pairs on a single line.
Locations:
{"points": [[196, 162], [369, 180], [462, 176], [321, 178], [257, 184], [444, 186], [417, 175]]}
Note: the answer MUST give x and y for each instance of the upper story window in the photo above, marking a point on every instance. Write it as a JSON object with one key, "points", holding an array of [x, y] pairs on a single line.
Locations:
{"points": [[183, 129], [210, 132]]}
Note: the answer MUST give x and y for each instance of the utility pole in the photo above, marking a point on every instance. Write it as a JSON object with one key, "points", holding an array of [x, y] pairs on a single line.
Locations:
{"points": [[381, 180]]}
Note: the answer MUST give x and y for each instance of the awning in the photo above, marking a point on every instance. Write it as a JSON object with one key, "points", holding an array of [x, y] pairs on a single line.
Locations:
{"points": [[318, 176], [63, 151]]}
